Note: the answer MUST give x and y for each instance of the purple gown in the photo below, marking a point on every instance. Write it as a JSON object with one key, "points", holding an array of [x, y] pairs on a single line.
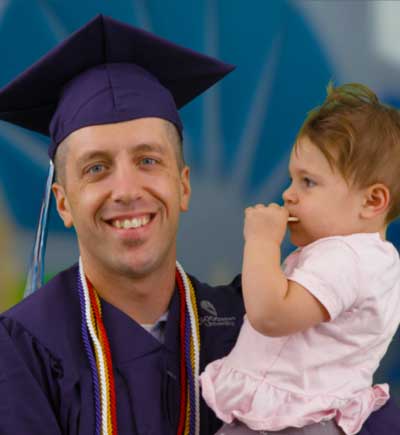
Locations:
{"points": [[45, 379]]}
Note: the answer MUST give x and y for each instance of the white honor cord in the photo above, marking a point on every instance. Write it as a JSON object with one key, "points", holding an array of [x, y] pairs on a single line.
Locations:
{"points": [[96, 343]]}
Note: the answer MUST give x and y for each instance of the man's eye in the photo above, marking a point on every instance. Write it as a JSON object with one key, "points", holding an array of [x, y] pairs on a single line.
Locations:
{"points": [[96, 169], [308, 182], [148, 161]]}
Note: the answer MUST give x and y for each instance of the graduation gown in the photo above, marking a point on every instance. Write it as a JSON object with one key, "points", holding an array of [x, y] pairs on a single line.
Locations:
{"points": [[45, 379]]}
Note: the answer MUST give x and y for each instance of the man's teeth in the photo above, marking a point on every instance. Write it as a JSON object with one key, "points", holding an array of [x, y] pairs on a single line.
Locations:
{"points": [[131, 223], [293, 219]]}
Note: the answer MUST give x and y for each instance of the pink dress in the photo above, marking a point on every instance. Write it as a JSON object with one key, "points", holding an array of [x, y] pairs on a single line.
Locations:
{"points": [[325, 372]]}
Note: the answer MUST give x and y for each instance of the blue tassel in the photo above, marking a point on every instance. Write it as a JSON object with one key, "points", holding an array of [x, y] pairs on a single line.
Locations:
{"points": [[36, 268]]}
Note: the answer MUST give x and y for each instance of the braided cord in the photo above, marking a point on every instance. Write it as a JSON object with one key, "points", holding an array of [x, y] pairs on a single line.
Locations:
{"points": [[98, 351], [90, 355], [192, 352], [100, 359], [101, 333], [182, 328], [195, 356], [113, 404]]}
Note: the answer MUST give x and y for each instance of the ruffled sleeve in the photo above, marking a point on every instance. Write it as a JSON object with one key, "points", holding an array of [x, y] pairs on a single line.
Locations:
{"points": [[329, 270]]}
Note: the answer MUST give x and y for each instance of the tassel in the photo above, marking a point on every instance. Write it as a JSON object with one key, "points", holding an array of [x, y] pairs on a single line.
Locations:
{"points": [[36, 268]]}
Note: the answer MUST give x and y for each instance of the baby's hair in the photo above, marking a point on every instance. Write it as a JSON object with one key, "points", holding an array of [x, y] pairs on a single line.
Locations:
{"points": [[360, 137]]}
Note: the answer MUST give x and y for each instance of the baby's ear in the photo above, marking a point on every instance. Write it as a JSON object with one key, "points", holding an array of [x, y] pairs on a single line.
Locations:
{"points": [[376, 201]]}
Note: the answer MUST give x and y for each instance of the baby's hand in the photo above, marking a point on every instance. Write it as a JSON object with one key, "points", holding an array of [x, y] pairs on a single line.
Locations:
{"points": [[265, 222]]}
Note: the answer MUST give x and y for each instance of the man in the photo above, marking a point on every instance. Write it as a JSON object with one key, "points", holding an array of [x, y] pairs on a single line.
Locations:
{"points": [[112, 345], [115, 344]]}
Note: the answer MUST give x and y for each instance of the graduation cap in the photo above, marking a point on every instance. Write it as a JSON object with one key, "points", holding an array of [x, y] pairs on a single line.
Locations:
{"points": [[105, 72]]}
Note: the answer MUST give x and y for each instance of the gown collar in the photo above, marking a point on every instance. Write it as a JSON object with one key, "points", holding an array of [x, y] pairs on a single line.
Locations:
{"points": [[129, 340]]}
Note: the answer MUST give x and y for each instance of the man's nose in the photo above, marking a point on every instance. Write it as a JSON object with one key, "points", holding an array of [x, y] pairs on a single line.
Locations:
{"points": [[127, 183]]}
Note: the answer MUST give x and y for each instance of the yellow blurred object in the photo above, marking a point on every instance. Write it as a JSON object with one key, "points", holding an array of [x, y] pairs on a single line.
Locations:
{"points": [[9, 264]]}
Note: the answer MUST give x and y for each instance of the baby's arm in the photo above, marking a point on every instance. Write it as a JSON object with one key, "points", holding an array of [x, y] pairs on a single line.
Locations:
{"points": [[275, 306]]}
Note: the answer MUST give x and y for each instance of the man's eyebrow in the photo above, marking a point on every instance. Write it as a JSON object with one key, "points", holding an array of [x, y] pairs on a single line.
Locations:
{"points": [[91, 155], [148, 147], [98, 154]]}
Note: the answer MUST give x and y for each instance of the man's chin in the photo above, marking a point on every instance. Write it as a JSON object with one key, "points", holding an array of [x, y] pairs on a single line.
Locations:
{"points": [[136, 268]]}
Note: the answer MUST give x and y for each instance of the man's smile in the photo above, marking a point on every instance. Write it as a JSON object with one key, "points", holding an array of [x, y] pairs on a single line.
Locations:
{"points": [[130, 222]]}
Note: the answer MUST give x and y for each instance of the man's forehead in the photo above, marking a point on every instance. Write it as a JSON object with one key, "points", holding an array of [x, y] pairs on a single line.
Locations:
{"points": [[132, 132]]}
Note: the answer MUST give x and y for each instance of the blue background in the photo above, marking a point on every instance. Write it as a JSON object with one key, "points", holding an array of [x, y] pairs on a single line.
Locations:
{"points": [[237, 136]]}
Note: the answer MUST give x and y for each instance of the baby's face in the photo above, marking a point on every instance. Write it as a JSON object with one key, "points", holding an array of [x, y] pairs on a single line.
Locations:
{"points": [[319, 197]]}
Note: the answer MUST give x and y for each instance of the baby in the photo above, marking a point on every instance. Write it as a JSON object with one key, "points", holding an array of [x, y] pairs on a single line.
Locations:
{"points": [[317, 328]]}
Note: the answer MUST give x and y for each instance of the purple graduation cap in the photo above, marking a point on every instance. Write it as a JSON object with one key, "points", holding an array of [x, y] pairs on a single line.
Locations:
{"points": [[105, 72]]}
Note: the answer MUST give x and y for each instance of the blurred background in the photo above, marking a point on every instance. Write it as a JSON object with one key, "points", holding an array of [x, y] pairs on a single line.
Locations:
{"points": [[237, 136]]}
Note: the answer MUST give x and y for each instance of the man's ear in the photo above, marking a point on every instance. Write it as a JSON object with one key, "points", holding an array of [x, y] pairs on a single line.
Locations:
{"points": [[376, 201], [186, 189], [62, 204]]}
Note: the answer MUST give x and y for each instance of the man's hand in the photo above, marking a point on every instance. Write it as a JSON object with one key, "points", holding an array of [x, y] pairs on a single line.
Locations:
{"points": [[267, 223]]}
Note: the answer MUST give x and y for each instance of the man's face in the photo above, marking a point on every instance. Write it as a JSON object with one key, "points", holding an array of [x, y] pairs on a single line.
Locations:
{"points": [[319, 197], [123, 193]]}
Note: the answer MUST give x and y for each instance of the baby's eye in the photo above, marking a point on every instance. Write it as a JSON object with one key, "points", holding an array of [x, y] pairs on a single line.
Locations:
{"points": [[308, 182]]}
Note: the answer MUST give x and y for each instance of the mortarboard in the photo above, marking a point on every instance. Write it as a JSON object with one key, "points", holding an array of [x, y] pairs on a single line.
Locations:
{"points": [[105, 72]]}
